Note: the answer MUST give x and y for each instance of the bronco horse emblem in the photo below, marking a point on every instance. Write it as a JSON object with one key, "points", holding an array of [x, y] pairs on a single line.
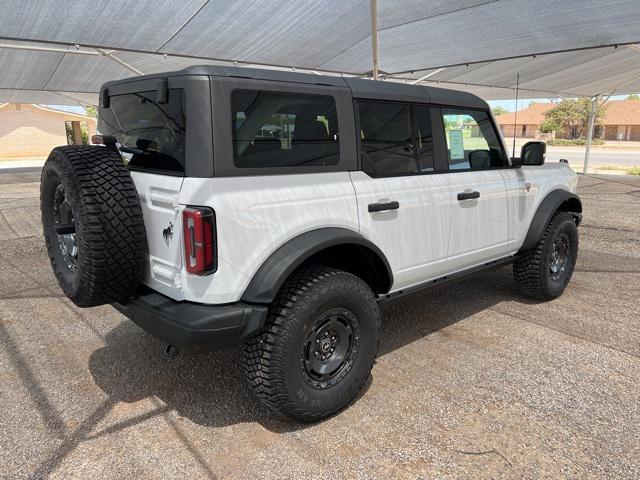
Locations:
{"points": [[167, 233]]}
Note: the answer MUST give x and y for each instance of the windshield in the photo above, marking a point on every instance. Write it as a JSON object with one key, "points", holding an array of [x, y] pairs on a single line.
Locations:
{"points": [[151, 136]]}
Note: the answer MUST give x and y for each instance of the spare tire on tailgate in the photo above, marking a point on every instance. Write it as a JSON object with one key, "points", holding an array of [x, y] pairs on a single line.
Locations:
{"points": [[93, 224]]}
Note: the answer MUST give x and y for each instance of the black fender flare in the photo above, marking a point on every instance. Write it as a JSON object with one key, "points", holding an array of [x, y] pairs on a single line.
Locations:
{"points": [[267, 281], [547, 208]]}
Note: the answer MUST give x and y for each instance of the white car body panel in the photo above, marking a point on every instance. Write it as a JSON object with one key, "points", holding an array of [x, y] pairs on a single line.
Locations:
{"points": [[542, 180], [257, 214], [480, 227], [159, 198], [413, 237], [431, 235]]}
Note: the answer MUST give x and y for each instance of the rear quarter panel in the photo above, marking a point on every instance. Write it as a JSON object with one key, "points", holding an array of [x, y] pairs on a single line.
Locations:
{"points": [[257, 214]]}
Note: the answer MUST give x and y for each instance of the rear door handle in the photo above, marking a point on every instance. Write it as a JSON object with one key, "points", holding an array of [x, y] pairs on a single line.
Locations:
{"points": [[467, 195], [381, 207]]}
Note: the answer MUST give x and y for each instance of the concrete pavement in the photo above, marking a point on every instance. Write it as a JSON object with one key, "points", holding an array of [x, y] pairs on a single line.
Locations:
{"points": [[472, 381]]}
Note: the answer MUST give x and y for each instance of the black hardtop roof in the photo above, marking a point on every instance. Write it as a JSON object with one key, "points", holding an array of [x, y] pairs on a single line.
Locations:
{"points": [[360, 88]]}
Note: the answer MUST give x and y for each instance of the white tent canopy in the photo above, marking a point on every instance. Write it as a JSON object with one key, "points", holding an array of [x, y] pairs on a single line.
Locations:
{"points": [[62, 51]]}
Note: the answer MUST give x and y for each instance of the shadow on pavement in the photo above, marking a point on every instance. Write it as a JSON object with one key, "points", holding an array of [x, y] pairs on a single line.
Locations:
{"points": [[211, 390], [208, 389]]}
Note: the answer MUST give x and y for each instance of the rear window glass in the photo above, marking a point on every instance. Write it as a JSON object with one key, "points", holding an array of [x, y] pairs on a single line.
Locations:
{"points": [[273, 129], [151, 136]]}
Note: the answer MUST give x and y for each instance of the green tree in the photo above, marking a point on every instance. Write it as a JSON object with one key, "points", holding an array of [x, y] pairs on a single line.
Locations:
{"points": [[633, 96], [571, 117], [499, 110], [91, 110], [550, 125]]}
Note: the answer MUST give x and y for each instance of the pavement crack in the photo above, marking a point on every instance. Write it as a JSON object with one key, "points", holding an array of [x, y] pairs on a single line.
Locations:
{"points": [[487, 452], [615, 181], [11, 229], [585, 339], [606, 227]]}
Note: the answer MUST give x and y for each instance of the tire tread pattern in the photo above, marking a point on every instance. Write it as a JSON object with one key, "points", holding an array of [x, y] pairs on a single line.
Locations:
{"points": [[530, 270], [111, 235], [264, 353]]}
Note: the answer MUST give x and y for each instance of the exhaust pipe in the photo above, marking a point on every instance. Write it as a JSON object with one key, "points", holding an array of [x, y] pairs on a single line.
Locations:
{"points": [[171, 351]]}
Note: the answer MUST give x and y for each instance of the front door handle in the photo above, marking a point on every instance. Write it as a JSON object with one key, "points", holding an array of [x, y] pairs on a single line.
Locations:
{"points": [[381, 207], [468, 195]]}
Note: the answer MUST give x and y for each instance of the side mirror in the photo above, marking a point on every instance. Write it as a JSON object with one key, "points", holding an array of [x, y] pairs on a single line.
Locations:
{"points": [[533, 153]]}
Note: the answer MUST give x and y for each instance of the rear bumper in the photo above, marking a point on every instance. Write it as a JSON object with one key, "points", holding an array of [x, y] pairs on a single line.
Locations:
{"points": [[194, 327]]}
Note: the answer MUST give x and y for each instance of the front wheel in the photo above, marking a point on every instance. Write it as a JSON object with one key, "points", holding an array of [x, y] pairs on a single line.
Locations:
{"points": [[544, 272], [318, 346]]}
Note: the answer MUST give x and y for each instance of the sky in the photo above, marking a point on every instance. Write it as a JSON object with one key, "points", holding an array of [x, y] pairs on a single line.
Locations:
{"points": [[510, 105], [68, 108]]}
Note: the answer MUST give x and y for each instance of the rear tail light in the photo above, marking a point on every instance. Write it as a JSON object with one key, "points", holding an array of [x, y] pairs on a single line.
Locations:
{"points": [[200, 254]]}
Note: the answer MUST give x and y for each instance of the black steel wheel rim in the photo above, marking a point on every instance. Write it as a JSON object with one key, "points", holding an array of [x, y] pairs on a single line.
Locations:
{"points": [[330, 348], [64, 225], [559, 258]]}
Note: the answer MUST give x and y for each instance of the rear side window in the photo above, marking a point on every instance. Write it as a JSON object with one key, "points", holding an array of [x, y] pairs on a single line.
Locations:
{"points": [[151, 136], [472, 142], [396, 139], [274, 129]]}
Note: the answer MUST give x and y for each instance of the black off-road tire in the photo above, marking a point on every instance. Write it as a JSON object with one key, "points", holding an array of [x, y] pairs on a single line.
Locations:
{"points": [[275, 360], [533, 271], [110, 240]]}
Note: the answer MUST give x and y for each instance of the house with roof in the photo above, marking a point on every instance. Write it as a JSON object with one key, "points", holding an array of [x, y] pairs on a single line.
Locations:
{"points": [[621, 121], [524, 123], [30, 130]]}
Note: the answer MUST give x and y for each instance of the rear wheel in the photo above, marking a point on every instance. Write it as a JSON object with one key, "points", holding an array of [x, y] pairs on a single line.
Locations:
{"points": [[92, 224], [318, 346], [544, 272]]}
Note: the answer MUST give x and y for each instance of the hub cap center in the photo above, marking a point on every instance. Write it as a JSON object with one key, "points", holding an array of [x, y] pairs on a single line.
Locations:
{"points": [[331, 347], [559, 256], [63, 216]]}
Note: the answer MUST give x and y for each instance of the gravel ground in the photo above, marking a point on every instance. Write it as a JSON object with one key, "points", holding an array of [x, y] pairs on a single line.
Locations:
{"points": [[472, 381]]}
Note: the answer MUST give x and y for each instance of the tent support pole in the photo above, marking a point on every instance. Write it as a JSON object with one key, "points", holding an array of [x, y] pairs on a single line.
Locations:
{"points": [[428, 75], [49, 49], [592, 121], [374, 37], [111, 56]]}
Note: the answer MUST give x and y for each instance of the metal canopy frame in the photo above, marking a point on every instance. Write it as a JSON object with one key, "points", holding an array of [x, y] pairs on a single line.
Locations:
{"points": [[75, 51], [330, 38], [111, 54]]}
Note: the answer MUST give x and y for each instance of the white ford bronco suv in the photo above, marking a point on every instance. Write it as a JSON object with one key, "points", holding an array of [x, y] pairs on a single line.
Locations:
{"points": [[278, 209]]}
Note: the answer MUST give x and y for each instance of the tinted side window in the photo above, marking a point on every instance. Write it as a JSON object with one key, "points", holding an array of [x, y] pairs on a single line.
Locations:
{"points": [[396, 138], [472, 142], [272, 129]]}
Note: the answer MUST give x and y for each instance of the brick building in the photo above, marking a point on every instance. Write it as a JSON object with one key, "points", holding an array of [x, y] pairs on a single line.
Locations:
{"points": [[29, 130], [528, 121], [621, 121]]}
